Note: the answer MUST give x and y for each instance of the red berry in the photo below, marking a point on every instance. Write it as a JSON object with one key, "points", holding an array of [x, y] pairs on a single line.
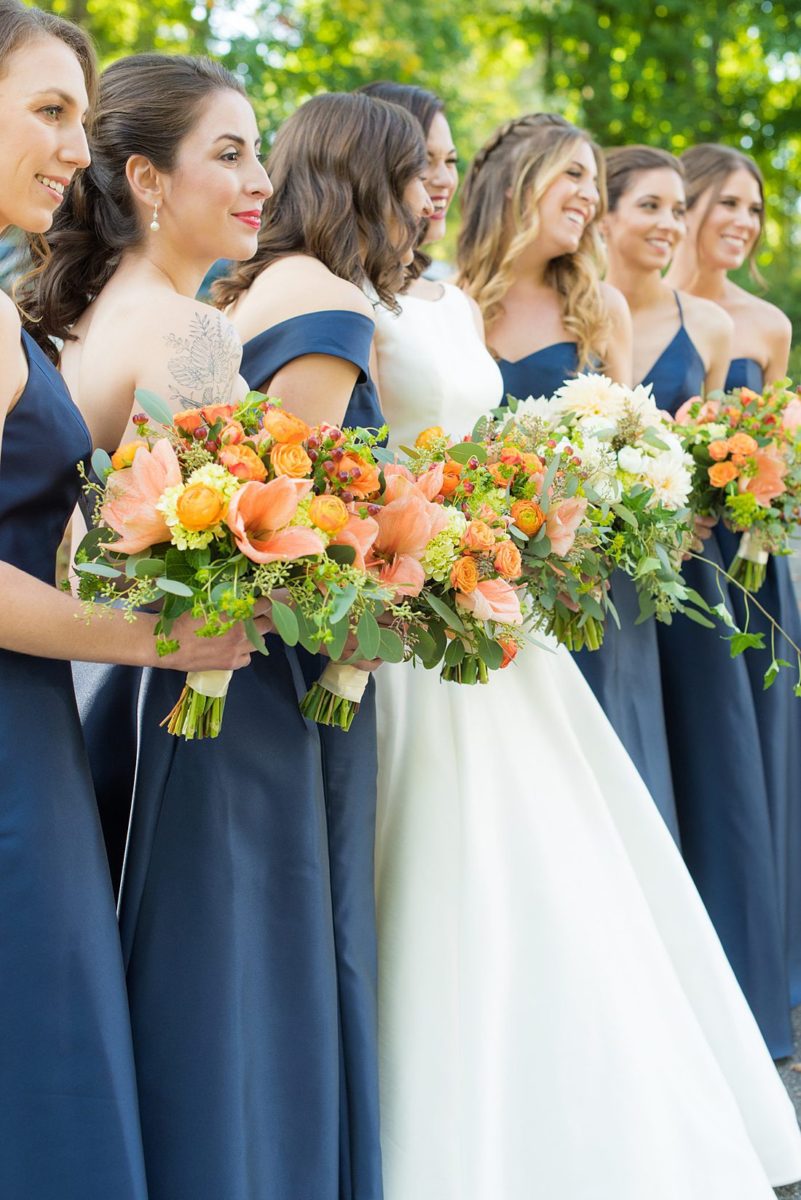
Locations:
{"points": [[337, 453], [346, 496], [139, 419], [313, 455], [356, 473], [329, 468], [312, 442], [201, 433]]}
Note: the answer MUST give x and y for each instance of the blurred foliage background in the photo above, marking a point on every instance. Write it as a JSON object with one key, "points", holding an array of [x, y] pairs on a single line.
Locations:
{"points": [[668, 73]]}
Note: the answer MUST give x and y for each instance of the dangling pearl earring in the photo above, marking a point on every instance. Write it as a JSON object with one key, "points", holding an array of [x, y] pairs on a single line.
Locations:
{"points": [[154, 224]]}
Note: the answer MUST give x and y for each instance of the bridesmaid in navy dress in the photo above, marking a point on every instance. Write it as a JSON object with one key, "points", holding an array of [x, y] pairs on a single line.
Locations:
{"points": [[529, 254], [726, 208], [307, 328], [682, 348]]}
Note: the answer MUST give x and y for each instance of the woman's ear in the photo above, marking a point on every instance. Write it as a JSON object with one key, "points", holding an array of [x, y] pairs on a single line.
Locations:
{"points": [[144, 180]]}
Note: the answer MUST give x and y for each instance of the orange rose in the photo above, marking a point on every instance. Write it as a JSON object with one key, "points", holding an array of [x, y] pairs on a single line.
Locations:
{"points": [[507, 560], [288, 458], [739, 460], [328, 513], [719, 449], [426, 439], [200, 506], [464, 575], [212, 413], [243, 462], [479, 536], [532, 463], [511, 457], [189, 420], [742, 443], [363, 478], [528, 516], [451, 475], [722, 473], [509, 651], [126, 454], [285, 427]]}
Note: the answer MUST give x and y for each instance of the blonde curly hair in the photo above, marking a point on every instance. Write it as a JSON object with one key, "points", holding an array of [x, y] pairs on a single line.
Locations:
{"points": [[500, 218]]}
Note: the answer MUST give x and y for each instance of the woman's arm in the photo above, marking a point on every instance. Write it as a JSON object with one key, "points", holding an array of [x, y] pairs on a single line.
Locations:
{"points": [[618, 358], [781, 333]]}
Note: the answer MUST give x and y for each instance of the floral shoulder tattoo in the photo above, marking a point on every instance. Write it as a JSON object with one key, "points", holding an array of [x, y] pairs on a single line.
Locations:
{"points": [[204, 364]]}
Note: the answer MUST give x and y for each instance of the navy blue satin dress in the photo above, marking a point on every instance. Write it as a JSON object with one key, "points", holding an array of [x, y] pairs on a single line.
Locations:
{"points": [[69, 1123], [624, 672], [778, 713], [718, 770], [248, 927]]}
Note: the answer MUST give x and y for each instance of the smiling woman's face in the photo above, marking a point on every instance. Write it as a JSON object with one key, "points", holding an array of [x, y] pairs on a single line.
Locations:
{"points": [[42, 139], [729, 229], [570, 203]]}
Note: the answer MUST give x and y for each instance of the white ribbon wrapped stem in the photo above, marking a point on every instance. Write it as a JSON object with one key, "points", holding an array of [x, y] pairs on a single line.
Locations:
{"points": [[751, 550], [213, 684], [345, 681]]}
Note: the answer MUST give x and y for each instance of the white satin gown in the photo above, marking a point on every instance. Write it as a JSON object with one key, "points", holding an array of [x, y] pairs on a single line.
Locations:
{"points": [[557, 1017]]}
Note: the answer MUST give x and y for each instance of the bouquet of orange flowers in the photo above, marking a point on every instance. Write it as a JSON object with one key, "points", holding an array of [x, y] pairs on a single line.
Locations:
{"points": [[209, 509], [747, 454]]}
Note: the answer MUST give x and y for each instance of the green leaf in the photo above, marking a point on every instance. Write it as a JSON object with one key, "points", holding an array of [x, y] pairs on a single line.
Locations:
{"points": [[699, 618], [101, 463], [722, 612], [174, 587], [382, 455], [286, 623], [147, 567], [646, 566], [425, 645], [462, 452], [369, 634], [343, 602], [436, 632], [154, 406], [95, 542], [621, 511], [344, 555], [98, 568], [738, 642], [489, 651], [390, 647], [306, 633], [445, 611], [697, 599], [653, 439], [254, 637], [337, 644], [455, 653], [770, 675]]}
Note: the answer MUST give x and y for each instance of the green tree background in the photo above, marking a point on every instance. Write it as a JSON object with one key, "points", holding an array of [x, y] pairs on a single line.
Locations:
{"points": [[669, 74]]}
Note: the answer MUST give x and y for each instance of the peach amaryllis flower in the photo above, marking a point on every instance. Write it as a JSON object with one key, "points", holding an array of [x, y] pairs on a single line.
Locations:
{"points": [[406, 525], [132, 495], [400, 480], [493, 600], [562, 522], [768, 483], [404, 575], [360, 533], [258, 516]]}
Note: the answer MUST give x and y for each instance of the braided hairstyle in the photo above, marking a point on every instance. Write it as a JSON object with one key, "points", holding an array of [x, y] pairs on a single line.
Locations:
{"points": [[500, 201], [147, 104]]}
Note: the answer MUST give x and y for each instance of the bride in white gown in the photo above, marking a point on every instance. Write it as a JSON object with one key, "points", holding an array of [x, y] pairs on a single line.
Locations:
{"points": [[557, 1017]]}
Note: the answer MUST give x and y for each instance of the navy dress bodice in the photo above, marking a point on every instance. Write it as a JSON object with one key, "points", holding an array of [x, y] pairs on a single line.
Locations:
{"points": [[718, 770], [248, 921], [69, 1124], [624, 672], [778, 712]]}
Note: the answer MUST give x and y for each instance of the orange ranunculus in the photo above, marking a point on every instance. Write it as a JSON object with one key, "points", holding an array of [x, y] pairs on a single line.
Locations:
{"points": [[289, 458], [404, 575], [212, 413], [509, 651], [258, 515], [532, 463], [511, 457], [508, 561], [328, 513], [242, 462], [285, 427], [451, 474], [364, 478], [768, 483], [479, 536], [132, 495], [739, 460], [232, 433], [743, 443], [722, 473], [493, 600], [124, 456], [464, 575], [360, 532], [501, 473], [200, 506], [189, 420], [427, 438], [527, 516], [562, 522], [719, 449]]}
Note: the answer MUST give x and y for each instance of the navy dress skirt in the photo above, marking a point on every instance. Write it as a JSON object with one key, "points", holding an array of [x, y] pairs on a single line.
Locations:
{"points": [[247, 917], [778, 714], [719, 774], [69, 1123], [624, 672]]}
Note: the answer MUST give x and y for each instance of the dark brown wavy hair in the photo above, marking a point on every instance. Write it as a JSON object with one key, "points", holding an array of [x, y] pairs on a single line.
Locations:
{"points": [[421, 104], [624, 162], [339, 167], [709, 165], [147, 104]]}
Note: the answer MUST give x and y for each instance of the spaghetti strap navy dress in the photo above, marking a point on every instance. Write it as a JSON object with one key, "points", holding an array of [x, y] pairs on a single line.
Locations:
{"points": [[248, 933], [624, 672], [69, 1122], [778, 714], [719, 774]]}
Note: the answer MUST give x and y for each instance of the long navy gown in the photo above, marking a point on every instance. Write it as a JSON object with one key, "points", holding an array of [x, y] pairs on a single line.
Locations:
{"points": [[624, 672], [248, 927], [718, 769], [69, 1123], [778, 714]]}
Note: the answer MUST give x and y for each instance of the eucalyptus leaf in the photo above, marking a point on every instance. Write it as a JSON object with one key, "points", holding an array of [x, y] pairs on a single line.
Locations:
{"points": [[462, 452], [154, 406], [455, 653], [446, 612], [343, 603], [254, 637], [146, 568], [285, 622], [699, 618], [344, 555], [98, 568], [174, 587], [337, 644], [368, 632], [391, 647], [101, 463]]}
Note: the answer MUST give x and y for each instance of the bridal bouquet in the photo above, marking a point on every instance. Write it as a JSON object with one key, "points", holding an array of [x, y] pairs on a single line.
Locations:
{"points": [[210, 509], [746, 454]]}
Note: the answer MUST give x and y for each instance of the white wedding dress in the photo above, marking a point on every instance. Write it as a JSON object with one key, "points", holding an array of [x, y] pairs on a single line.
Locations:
{"points": [[557, 1018]]}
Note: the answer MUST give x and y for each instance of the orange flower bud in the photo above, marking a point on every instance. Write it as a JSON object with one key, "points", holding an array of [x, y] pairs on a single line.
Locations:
{"points": [[507, 560], [722, 473], [464, 575], [743, 443], [528, 516], [479, 536], [126, 454], [328, 513], [719, 449], [285, 427], [200, 507], [509, 651], [426, 439], [451, 476], [243, 462], [288, 458], [189, 420]]}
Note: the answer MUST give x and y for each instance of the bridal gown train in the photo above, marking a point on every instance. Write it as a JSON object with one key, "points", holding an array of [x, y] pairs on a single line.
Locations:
{"points": [[557, 1017]]}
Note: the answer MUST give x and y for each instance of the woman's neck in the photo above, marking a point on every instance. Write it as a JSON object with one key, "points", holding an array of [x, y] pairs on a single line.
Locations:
{"points": [[183, 276], [642, 288], [689, 275]]}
